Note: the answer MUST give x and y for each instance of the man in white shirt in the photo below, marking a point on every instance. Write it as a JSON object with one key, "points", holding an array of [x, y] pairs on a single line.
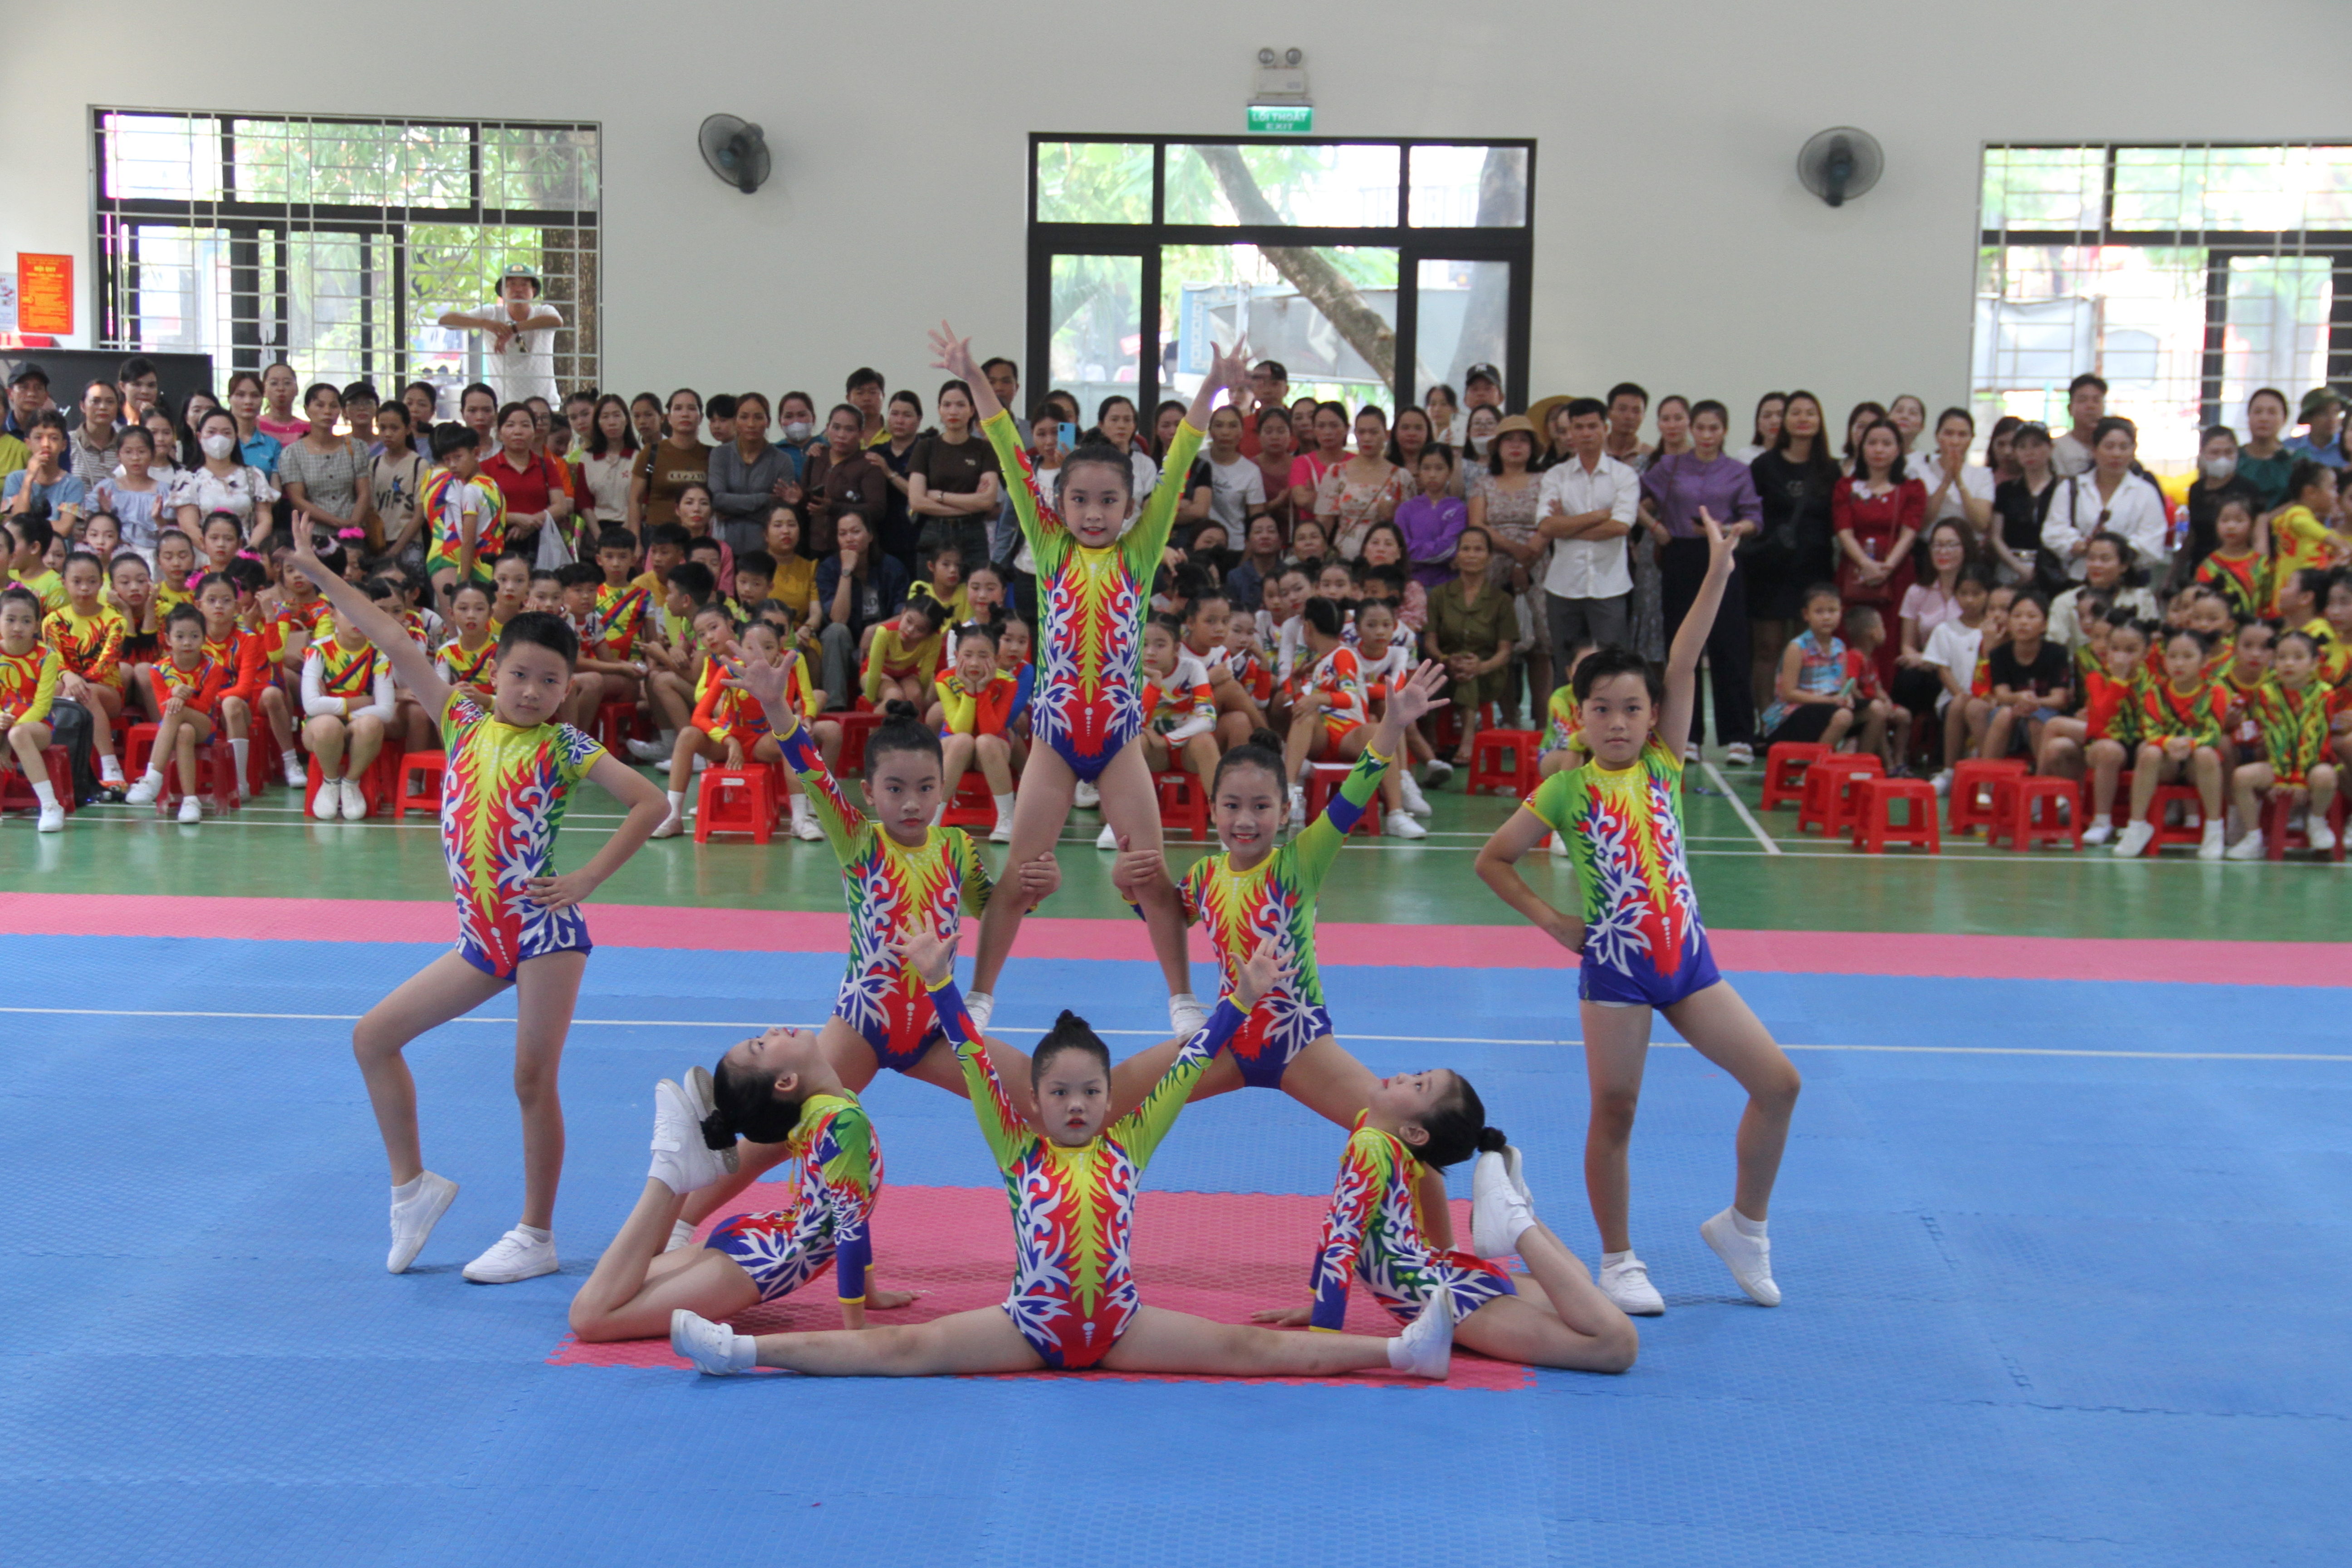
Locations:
{"points": [[520, 361], [1586, 509], [2086, 404]]}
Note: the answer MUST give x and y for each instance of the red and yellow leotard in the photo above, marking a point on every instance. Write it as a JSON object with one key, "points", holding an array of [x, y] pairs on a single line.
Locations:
{"points": [[622, 611], [502, 799], [725, 713], [1338, 685], [2247, 582], [445, 500], [473, 670], [1564, 726], [1088, 700], [201, 689], [892, 658], [88, 646], [1073, 1209], [28, 683], [989, 711], [2110, 709], [1374, 1229], [240, 653], [831, 1207], [2294, 728], [2201, 714]]}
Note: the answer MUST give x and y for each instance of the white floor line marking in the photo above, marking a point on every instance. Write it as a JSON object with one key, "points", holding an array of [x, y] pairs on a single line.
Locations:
{"points": [[1163, 1034], [1740, 808]]}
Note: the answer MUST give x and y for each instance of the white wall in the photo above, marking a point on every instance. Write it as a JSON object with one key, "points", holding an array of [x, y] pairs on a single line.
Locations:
{"points": [[1674, 245]]}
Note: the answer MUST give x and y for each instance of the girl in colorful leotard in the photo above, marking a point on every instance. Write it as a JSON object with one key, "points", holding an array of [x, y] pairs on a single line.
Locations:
{"points": [[1328, 709], [1087, 714], [2291, 705], [775, 1088], [1414, 1125], [511, 772], [1072, 1185], [1642, 944]]}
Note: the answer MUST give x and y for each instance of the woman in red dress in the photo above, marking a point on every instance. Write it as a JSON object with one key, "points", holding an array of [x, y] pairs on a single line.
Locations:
{"points": [[1877, 514]]}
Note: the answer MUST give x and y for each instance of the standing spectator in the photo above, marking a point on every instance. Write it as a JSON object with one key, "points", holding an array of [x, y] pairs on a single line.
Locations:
{"points": [[28, 399], [2322, 418], [1274, 458], [1330, 429], [519, 361], [256, 448], [748, 478], [1790, 550], [865, 390], [606, 463], [1678, 487], [858, 588], [1482, 387], [1588, 508], [1269, 388], [326, 478], [1114, 422], [1909, 416], [1236, 486], [1361, 490], [2086, 404], [225, 482], [2021, 505], [395, 480], [1003, 379], [952, 482], [1771, 409], [1955, 487], [1877, 510], [796, 428], [136, 384], [90, 451], [2265, 461], [1503, 503], [843, 479], [677, 461], [647, 414], [477, 409], [422, 401], [531, 481], [2217, 480], [1629, 404], [1432, 520], [2112, 496], [1408, 438], [1445, 407], [899, 535], [1865, 416]]}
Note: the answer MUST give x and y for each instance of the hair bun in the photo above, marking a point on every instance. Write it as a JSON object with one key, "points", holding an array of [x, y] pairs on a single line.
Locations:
{"points": [[718, 1132], [1266, 740], [898, 708], [1492, 1142]]}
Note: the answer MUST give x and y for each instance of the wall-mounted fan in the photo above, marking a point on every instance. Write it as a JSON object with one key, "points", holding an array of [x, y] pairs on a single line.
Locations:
{"points": [[1841, 163], [736, 150]]}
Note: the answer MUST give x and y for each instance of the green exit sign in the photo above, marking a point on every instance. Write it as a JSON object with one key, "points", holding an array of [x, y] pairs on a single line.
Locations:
{"points": [[1281, 118]]}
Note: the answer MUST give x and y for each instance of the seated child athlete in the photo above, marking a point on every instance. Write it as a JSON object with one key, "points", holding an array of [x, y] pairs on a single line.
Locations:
{"points": [[1642, 944], [810, 703], [2243, 576], [728, 727], [347, 706], [511, 774], [408, 726], [468, 660], [1072, 1186], [29, 672], [238, 649], [1328, 714], [2243, 670], [2103, 733], [189, 687], [464, 518], [545, 596], [1415, 1124], [775, 1088], [88, 636], [1885, 724], [1093, 585], [2292, 707], [1234, 672], [1384, 656], [1180, 716], [977, 704], [904, 653], [2184, 715]]}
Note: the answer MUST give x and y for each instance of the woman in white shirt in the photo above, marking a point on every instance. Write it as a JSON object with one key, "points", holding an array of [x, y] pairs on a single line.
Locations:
{"points": [[1771, 409], [224, 482], [2109, 496], [1954, 487]]}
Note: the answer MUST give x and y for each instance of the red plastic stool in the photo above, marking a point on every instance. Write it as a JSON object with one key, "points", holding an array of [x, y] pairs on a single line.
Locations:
{"points": [[2018, 816], [1829, 798], [1873, 824], [370, 784], [137, 748], [1183, 803], [2277, 807], [615, 723], [216, 766], [2191, 830], [1972, 788], [855, 726], [736, 800], [1784, 771], [383, 773], [972, 805], [1323, 782], [427, 768], [17, 790], [260, 762], [1488, 771]]}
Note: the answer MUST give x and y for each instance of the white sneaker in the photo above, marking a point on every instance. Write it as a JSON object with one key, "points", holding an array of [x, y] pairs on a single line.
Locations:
{"points": [[979, 1006], [716, 1349], [53, 819], [1690, 755], [2323, 837], [2250, 848], [297, 775], [1403, 824], [412, 1219], [681, 1237], [674, 824], [1426, 1348], [355, 808], [809, 828], [1739, 755], [2210, 846], [649, 751], [2136, 837], [1750, 1257], [1086, 795], [1107, 839], [1187, 1015], [1628, 1285], [1415, 801], [192, 811], [1000, 834], [1499, 1214], [682, 1162], [1439, 771], [1942, 783], [328, 802], [1298, 808], [144, 792], [1559, 847], [513, 1257], [2098, 832]]}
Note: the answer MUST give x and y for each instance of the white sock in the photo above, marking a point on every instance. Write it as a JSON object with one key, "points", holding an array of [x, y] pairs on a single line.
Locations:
{"points": [[682, 1234], [154, 774], [1400, 1358], [535, 1233], [406, 1190], [1751, 1228], [45, 793], [1611, 1259], [110, 769], [243, 752], [1004, 804], [799, 808], [677, 802], [743, 1353], [290, 757]]}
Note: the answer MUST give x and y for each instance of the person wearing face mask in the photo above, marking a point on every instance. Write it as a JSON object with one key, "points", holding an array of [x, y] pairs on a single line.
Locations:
{"points": [[796, 432], [2217, 480]]}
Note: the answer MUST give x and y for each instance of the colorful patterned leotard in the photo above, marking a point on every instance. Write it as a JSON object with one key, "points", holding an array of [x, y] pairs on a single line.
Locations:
{"points": [[28, 683], [88, 646], [240, 653], [201, 689], [2246, 581], [1373, 1228], [2294, 728], [725, 713], [1564, 721], [2110, 706], [1643, 944], [1338, 684], [1073, 1209], [444, 500], [2201, 714], [1277, 897], [622, 611], [892, 890], [502, 798], [1178, 706], [473, 672], [989, 712], [833, 1203], [1089, 692]]}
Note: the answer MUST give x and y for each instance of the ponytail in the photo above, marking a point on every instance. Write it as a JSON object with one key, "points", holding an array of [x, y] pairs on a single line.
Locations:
{"points": [[746, 1106], [1457, 1128]]}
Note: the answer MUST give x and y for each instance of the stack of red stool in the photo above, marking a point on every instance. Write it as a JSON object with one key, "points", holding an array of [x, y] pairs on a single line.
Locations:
{"points": [[2276, 809], [1829, 800], [855, 726], [1972, 778], [972, 805], [2016, 815], [1873, 824], [137, 747], [2191, 832], [1489, 771], [1183, 803], [736, 800], [1323, 782], [17, 790], [1784, 771], [427, 768]]}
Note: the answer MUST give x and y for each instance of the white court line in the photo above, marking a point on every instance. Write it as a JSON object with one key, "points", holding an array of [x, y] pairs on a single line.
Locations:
{"points": [[1740, 808], [1163, 1034]]}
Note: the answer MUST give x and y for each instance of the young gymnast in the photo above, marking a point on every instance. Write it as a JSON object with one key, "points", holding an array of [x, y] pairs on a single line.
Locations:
{"points": [[1414, 1125], [189, 690], [2102, 734], [1641, 945], [29, 670], [88, 637], [510, 776], [347, 706], [1094, 585], [2291, 708], [1072, 1186], [1329, 712], [2184, 715], [729, 728], [977, 705]]}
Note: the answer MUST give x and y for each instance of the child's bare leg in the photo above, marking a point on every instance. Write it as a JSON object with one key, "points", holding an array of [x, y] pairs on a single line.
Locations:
{"points": [[448, 987], [1038, 814], [630, 1296], [960, 1344], [26, 741], [1999, 722], [1833, 735], [2205, 769], [995, 760], [828, 740], [1574, 1326], [546, 990], [1721, 1028], [1131, 806], [2146, 777], [2321, 784], [1199, 757], [1616, 1048], [1298, 748], [1874, 729], [1164, 1342], [279, 715], [366, 741], [2106, 771], [325, 736], [105, 703], [2245, 785], [955, 760], [184, 736], [1956, 732]]}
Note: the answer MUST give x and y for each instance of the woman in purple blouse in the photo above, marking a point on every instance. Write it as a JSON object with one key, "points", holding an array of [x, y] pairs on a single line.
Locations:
{"points": [[1677, 488], [1432, 520]]}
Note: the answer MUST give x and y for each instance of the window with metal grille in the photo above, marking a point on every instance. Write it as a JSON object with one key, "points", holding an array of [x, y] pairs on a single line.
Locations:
{"points": [[2187, 276], [337, 243]]}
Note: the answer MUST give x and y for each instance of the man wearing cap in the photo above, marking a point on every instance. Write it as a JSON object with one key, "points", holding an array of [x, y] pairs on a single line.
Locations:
{"points": [[28, 399], [1482, 387], [1269, 387], [519, 363], [2323, 412]]}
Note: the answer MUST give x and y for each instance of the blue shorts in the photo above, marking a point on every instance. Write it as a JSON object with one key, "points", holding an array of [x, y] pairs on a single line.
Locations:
{"points": [[1466, 1282], [1645, 987], [780, 1252]]}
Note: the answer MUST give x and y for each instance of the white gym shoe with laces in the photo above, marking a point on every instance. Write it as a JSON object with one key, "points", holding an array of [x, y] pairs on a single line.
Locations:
{"points": [[412, 1219], [1750, 1257], [1426, 1348]]}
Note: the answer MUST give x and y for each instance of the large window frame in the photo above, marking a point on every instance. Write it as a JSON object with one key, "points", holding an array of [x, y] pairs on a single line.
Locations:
{"points": [[1511, 246], [2119, 166], [262, 233]]}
